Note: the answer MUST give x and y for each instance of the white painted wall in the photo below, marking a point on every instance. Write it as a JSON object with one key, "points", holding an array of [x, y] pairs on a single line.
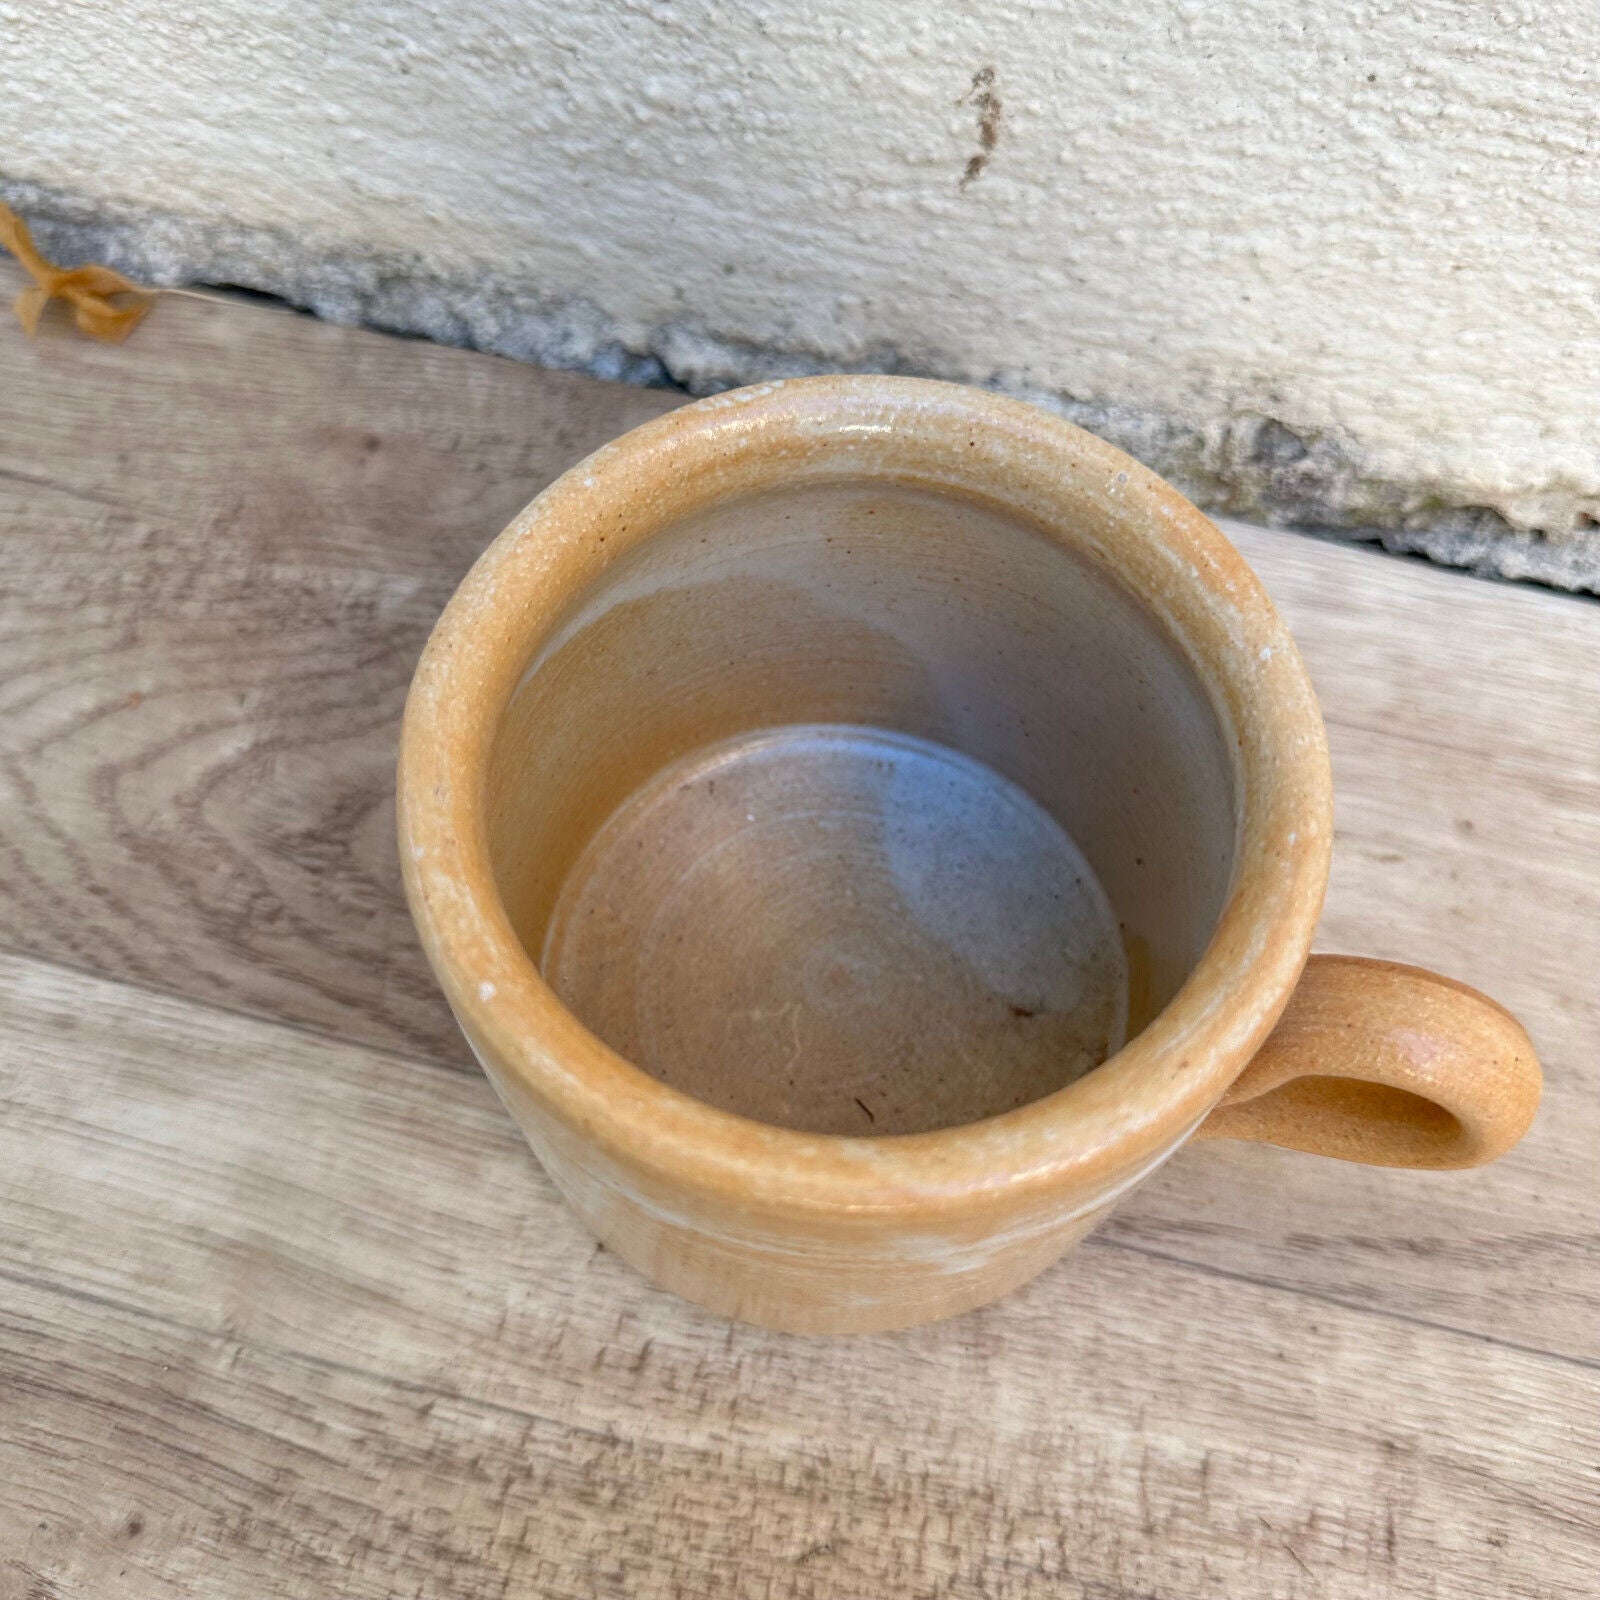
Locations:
{"points": [[1376, 224]]}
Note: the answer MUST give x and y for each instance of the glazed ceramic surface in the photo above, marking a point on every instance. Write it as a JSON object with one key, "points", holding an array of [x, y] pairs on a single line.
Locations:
{"points": [[865, 825]]}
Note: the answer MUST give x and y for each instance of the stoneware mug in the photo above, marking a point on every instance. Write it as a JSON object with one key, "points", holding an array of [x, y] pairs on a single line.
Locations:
{"points": [[864, 826]]}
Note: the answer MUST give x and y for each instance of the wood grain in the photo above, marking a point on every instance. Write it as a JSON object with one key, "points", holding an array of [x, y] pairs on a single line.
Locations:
{"points": [[221, 550], [287, 1316]]}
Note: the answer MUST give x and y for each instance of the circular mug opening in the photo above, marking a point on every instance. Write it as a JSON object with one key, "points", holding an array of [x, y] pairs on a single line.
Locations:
{"points": [[861, 807]]}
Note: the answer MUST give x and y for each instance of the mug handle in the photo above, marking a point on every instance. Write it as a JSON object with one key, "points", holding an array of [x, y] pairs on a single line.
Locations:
{"points": [[1387, 1064]]}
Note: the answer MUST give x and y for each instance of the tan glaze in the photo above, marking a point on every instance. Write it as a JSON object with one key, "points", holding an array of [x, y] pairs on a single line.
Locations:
{"points": [[763, 585], [1387, 1064]]}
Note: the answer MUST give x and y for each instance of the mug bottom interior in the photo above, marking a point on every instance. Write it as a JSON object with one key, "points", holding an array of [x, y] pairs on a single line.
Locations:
{"points": [[841, 929]]}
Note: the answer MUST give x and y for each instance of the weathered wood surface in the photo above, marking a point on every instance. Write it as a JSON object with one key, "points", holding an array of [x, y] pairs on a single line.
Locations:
{"points": [[224, 546], [311, 1314], [285, 1308]]}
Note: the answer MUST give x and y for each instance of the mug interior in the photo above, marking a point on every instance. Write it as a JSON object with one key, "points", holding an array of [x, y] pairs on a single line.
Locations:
{"points": [[861, 806]]}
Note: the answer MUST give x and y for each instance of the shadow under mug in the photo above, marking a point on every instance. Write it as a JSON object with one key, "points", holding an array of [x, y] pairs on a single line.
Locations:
{"points": [[865, 825]]}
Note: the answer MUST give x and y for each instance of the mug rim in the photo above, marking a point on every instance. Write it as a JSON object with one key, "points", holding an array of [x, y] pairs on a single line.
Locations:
{"points": [[1122, 1117]]}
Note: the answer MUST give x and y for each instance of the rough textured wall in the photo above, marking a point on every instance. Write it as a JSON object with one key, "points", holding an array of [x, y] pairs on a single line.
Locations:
{"points": [[1331, 263]]}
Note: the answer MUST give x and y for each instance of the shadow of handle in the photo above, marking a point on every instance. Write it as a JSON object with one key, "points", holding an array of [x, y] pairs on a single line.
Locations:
{"points": [[1386, 1064]]}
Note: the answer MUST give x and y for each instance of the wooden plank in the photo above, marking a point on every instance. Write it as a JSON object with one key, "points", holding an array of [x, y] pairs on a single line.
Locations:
{"points": [[224, 543], [286, 1316], [222, 546]]}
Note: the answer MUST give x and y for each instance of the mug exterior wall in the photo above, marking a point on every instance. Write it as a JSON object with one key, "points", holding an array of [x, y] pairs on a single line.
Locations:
{"points": [[806, 1272]]}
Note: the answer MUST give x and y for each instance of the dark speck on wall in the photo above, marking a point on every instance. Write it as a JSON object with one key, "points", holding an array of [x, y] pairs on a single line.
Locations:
{"points": [[982, 94]]}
